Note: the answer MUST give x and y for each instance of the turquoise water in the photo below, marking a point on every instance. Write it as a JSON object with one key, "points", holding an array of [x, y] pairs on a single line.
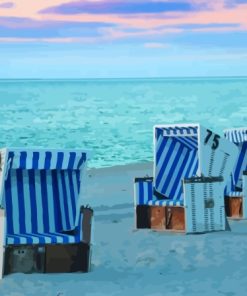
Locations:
{"points": [[114, 118]]}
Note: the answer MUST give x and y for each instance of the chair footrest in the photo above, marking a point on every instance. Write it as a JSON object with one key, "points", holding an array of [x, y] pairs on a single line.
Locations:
{"points": [[234, 207], [47, 258], [167, 218], [160, 217], [67, 258], [24, 258]]}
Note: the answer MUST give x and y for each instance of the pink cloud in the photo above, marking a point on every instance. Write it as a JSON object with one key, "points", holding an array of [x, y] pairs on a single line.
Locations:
{"points": [[156, 45], [48, 40], [210, 12], [7, 5], [235, 16]]}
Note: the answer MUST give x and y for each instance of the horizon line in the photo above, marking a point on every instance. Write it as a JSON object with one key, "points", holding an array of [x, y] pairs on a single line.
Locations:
{"points": [[122, 78]]}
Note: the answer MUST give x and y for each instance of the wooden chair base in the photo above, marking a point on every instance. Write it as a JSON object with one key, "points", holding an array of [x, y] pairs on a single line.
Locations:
{"points": [[167, 218], [48, 258], [234, 207], [142, 216], [161, 218], [24, 258]]}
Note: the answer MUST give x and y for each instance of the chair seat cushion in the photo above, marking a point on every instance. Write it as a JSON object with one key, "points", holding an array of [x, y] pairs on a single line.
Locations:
{"points": [[165, 202], [44, 238], [234, 194]]}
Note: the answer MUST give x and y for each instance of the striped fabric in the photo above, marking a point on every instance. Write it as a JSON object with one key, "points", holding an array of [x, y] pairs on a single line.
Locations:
{"points": [[143, 191], [20, 159], [235, 194], [180, 131], [45, 237], [230, 185], [237, 135], [41, 204], [165, 202], [241, 165], [176, 158], [144, 195]]}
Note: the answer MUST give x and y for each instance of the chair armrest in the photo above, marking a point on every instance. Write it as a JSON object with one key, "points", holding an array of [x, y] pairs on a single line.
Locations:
{"points": [[244, 205], [86, 223], [203, 180], [143, 190], [86, 208], [204, 203], [2, 227], [2, 239], [144, 179], [245, 184], [84, 227]]}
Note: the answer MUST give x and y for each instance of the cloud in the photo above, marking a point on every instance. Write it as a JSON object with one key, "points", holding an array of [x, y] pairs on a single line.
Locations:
{"points": [[48, 40], [118, 7], [12, 27], [234, 17], [213, 26], [7, 5], [156, 45], [127, 20], [232, 3]]}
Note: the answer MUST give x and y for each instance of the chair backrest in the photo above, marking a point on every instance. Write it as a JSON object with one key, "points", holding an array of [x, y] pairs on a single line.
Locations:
{"points": [[186, 150], [42, 189], [175, 158], [239, 137]]}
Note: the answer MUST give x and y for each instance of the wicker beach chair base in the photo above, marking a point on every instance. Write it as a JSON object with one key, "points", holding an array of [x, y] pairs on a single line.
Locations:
{"points": [[47, 258], [157, 217], [142, 216], [166, 218], [24, 259], [234, 207]]}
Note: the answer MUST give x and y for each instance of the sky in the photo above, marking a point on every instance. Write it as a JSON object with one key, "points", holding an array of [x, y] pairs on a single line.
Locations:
{"points": [[122, 38]]}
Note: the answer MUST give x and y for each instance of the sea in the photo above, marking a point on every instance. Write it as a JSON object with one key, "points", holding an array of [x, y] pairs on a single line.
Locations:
{"points": [[114, 118]]}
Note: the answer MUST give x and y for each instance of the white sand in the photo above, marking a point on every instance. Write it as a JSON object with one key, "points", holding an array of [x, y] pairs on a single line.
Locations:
{"points": [[130, 262], [114, 186]]}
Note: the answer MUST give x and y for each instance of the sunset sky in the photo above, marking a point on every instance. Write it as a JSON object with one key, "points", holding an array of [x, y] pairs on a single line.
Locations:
{"points": [[122, 38]]}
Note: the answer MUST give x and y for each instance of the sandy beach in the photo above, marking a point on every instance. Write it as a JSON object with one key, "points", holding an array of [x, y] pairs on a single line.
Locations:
{"points": [[126, 261], [113, 186]]}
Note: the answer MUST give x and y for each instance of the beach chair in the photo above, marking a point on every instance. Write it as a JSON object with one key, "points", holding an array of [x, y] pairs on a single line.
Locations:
{"points": [[236, 190], [191, 164], [43, 225]]}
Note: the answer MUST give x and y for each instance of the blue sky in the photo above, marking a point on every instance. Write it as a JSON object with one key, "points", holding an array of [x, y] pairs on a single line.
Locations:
{"points": [[159, 38]]}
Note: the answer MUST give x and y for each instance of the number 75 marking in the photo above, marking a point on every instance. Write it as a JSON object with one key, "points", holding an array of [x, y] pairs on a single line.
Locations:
{"points": [[215, 139]]}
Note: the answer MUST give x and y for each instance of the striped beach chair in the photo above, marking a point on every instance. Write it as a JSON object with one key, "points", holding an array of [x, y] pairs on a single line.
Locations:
{"points": [[41, 197], [236, 190], [191, 164]]}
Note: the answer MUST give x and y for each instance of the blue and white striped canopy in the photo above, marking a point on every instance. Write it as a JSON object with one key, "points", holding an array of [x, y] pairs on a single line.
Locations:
{"points": [[237, 135], [40, 193], [176, 158], [45, 159], [186, 150]]}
